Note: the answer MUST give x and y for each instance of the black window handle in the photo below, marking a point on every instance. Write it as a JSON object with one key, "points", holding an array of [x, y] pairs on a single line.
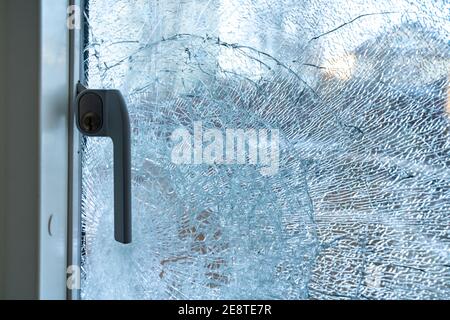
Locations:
{"points": [[103, 113]]}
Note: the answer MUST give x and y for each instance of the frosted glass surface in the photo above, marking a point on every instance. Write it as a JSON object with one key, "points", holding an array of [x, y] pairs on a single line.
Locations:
{"points": [[360, 205]]}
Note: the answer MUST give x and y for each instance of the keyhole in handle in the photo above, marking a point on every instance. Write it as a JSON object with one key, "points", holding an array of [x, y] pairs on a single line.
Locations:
{"points": [[91, 122]]}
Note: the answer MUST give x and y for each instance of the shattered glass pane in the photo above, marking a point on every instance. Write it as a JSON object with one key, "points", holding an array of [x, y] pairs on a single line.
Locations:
{"points": [[360, 205]]}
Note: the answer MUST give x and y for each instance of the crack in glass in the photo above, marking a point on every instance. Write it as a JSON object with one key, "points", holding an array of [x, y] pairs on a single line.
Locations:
{"points": [[360, 93]]}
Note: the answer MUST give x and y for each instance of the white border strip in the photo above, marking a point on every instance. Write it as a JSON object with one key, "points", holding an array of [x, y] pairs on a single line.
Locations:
{"points": [[54, 149]]}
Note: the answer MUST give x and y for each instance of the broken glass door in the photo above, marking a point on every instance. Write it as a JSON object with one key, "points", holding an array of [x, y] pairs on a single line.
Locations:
{"points": [[280, 149]]}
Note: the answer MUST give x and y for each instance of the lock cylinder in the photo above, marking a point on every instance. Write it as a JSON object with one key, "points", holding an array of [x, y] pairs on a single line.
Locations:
{"points": [[90, 115]]}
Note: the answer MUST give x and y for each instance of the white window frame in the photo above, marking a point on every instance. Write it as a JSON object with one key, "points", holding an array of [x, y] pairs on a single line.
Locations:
{"points": [[39, 181]]}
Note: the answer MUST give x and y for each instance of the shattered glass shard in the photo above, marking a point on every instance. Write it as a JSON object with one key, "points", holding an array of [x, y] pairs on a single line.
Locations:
{"points": [[360, 206]]}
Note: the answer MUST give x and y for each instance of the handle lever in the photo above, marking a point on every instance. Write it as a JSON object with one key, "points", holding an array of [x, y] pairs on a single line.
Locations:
{"points": [[103, 113]]}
